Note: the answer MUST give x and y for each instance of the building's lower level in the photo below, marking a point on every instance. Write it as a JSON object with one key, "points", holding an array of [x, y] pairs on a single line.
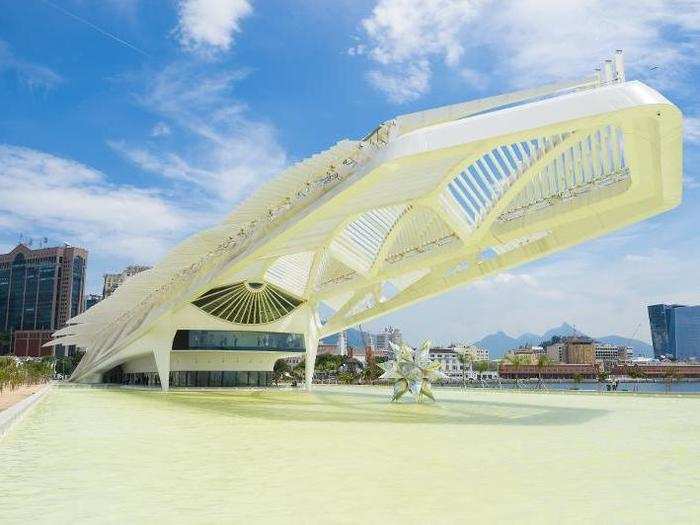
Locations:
{"points": [[193, 378], [211, 358]]}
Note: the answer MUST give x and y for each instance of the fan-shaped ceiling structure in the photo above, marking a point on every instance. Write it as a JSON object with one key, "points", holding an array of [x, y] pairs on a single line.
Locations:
{"points": [[248, 303], [426, 202]]}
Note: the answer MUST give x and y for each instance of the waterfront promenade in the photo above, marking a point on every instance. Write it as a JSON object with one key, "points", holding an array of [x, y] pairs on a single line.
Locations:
{"points": [[10, 397], [347, 455]]}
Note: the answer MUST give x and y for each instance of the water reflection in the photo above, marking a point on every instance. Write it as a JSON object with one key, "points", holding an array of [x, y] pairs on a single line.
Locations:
{"points": [[367, 406]]}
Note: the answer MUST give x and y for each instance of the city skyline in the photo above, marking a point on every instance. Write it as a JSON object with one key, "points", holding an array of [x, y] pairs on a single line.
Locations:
{"points": [[198, 123]]}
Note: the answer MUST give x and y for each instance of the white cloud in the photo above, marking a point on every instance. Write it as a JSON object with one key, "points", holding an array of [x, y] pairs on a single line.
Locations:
{"points": [[406, 84], [530, 41], [45, 195], [33, 76], [561, 40], [209, 25], [691, 126], [404, 34], [690, 182], [474, 78], [161, 129], [225, 153]]}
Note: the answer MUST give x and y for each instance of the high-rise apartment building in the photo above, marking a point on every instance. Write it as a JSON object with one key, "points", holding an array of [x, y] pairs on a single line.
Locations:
{"points": [[675, 331], [91, 300], [113, 280], [39, 291], [390, 334]]}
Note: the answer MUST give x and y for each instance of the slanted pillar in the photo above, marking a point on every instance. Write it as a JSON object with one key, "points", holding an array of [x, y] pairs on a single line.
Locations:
{"points": [[311, 344], [162, 359]]}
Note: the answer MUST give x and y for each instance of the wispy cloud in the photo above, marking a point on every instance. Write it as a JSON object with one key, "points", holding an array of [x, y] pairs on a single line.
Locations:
{"points": [[33, 76], [526, 41], [209, 26], [161, 129], [222, 153], [46, 195], [404, 36], [691, 127], [404, 83]]}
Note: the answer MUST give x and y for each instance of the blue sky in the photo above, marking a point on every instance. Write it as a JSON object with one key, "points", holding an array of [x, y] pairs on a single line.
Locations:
{"points": [[127, 125]]}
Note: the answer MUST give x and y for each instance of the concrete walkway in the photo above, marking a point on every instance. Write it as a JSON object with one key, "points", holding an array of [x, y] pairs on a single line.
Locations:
{"points": [[15, 403], [9, 397]]}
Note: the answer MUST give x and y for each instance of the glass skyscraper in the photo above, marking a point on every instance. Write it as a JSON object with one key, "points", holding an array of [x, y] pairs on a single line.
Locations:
{"points": [[39, 291], [675, 331]]}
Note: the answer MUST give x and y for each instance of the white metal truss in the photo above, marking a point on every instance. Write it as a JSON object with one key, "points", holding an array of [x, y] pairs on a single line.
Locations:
{"points": [[426, 202]]}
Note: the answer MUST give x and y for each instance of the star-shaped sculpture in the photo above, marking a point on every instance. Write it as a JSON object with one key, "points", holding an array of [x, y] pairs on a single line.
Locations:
{"points": [[412, 370]]}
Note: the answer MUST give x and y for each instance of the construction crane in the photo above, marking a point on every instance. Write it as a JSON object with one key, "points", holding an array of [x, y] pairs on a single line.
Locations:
{"points": [[636, 330]]}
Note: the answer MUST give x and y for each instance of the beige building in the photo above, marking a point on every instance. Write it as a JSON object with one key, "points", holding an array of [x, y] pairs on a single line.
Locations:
{"points": [[530, 353], [580, 351], [557, 352], [113, 280], [611, 355]]}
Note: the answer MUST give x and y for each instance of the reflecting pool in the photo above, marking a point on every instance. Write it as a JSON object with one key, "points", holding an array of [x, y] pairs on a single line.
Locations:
{"points": [[347, 455]]}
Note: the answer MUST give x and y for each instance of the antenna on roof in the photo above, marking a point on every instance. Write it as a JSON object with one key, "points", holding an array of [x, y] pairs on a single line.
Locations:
{"points": [[613, 70], [619, 66], [608, 71]]}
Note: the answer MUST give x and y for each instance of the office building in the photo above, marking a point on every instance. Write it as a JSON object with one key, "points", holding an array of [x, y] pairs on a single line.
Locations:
{"points": [[450, 363], [39, 291], [113, 280], [675, 331], [580, 351], [610, 355], [389, 335], [529, 353], [660, 325], [557, 352], [91, 300]]}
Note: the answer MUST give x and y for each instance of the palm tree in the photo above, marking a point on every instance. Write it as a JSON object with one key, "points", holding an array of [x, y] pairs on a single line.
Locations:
{"points": [[577, 379], [481, 367], [542, 361], [670, 375], [636, 373], [516, 360], [466, 357]]}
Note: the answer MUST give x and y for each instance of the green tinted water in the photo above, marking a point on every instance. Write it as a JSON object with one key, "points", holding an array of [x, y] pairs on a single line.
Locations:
{"points": [[344, 455]]}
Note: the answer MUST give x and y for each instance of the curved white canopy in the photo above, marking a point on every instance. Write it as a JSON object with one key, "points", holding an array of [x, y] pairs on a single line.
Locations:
{"points": [[426, 202]]}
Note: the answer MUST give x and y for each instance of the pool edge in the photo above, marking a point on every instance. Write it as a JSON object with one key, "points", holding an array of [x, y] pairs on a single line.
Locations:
{"points": [[12, 415]]}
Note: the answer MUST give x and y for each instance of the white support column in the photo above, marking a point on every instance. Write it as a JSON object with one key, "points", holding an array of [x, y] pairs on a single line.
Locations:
{"points": [[311, 343], [162, 359]]}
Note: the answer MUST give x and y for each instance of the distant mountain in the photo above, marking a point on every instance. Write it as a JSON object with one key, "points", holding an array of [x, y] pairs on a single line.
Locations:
{"points": [[499, 343]]}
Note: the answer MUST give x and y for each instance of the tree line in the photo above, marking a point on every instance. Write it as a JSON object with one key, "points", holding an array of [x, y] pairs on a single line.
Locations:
{"points": [[14, 373]]}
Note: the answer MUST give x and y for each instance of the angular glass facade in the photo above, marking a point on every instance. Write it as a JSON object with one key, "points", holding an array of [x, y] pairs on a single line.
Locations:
{"points": [[685, 333], [659, 322], [76, 291], [675, 331], [238, 341]]}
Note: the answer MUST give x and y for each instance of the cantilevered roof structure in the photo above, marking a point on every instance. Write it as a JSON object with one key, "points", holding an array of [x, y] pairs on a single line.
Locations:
{"points": [[426, 202]]}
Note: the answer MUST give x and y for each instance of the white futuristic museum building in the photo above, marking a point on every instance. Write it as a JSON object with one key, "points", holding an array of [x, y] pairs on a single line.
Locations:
{"points": [[426, 202]]}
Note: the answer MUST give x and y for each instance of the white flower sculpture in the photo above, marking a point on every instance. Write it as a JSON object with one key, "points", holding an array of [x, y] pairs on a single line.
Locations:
{"points": [[413, 370]]}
